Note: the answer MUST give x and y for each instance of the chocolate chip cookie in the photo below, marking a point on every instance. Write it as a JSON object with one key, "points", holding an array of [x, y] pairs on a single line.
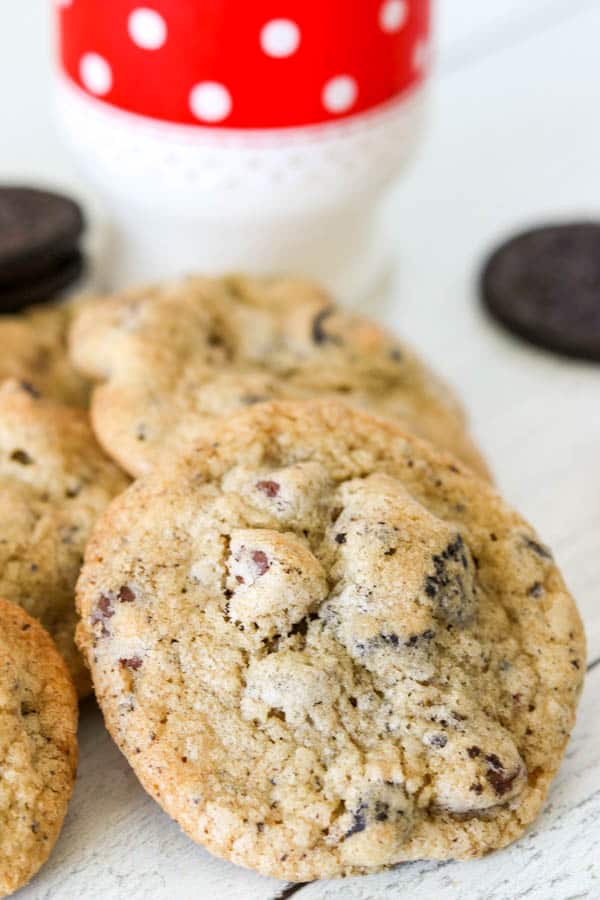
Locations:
{"points": [[174, 358], [38, 746], [54, 482], [326, 647], [34, 351]]}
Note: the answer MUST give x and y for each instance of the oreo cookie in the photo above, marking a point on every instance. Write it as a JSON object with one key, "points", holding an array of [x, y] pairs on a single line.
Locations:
{"points": [[39, 245], [544, 285]]}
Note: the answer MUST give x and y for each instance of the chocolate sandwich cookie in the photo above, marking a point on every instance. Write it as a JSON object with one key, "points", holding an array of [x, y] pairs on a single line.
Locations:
{"points": [[544, 285], [39, 253]]}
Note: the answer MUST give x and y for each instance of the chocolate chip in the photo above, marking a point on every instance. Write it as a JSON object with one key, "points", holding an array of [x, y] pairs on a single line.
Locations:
{"points": [[390, 552], [446, 587], [473, 752], [536, 589], [476, 787], [22, 457], [340, 538], [104, 610], [390, 638], [270, 488], [125, 594], [30, 389], [359, 821], [319, 335], [35, 827], [382, 810], [134, 662], [261, 561], [494, 761], [537, 548], [252, 399], [500, 782], [575, 663]]}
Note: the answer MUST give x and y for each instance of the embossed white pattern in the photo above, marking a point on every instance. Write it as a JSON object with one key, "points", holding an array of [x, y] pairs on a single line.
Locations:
{"points": [[242, 167]]}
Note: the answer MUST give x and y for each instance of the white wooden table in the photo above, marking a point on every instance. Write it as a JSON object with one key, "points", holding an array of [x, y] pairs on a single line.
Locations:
{"points": [[515, 138]]}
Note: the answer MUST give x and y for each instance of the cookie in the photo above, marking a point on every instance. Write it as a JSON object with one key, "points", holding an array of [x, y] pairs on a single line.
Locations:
{"points": [[38, 746], [44, 287], [326, 647], [54, 482], [34, 351], [544, 285], [177, 357], [39, 230]]}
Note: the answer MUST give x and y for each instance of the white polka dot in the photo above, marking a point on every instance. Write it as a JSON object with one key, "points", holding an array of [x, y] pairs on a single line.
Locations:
{"points": [[147, 28], [421, 56], [280, 38], [95, 74], [210, 101], [339, 94], [392, 15]]}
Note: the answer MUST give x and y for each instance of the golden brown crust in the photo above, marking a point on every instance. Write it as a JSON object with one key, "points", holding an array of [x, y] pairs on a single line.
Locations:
{"points": [[326, 648], [54, 482], [38, 746], [177, 357]]}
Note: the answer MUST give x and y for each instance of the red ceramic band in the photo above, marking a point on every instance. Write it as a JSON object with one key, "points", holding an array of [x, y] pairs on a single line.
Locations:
{"points": [[244, 63]]}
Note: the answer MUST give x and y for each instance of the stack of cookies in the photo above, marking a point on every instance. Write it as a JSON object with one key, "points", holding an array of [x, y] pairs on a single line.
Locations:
{"points": [[321, 638]]}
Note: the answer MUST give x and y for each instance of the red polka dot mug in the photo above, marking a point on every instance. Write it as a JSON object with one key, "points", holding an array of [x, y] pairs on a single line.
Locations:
{"points": [[243, 134]]}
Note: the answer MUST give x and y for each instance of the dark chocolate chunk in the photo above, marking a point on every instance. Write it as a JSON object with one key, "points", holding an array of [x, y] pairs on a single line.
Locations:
{"points": [[319, 335], [453, 600], [134, 662], [125, 594], [500, 781], [261, 561], [359, 821], [537, 548], [104, 610], [544, 285], [21, 457], [270, 488]]}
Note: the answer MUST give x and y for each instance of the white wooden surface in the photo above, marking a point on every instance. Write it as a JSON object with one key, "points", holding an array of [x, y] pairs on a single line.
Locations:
{"points": [[514, 138]]}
